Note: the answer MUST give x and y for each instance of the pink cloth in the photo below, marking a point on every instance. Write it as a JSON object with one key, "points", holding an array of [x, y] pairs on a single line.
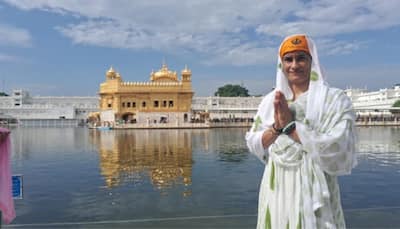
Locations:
{"points": [[6, 199]]}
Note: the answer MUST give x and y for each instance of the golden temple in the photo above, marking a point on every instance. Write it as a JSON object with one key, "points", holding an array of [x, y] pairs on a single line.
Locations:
{"points": [[165, 98]]}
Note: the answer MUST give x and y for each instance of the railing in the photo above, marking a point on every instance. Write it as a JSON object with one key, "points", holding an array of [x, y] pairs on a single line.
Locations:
{"points": [[378, 121], [232, 124], [186, 125], [50, 122]]}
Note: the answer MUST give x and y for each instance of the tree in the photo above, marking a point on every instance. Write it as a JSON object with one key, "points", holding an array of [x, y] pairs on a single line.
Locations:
{"points": [[230, 90], [3, 94], [396, 104]]}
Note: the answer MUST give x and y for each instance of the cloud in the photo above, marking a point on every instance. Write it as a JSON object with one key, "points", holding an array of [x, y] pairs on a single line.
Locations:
{"points": [[330, 18], [8, 58], [13, 36], [221, 32], [244, 55], [329, 46], [111, 33]]}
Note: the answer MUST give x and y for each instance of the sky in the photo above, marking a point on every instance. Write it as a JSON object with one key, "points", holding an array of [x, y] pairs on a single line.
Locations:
{"points": [[65, 47]]}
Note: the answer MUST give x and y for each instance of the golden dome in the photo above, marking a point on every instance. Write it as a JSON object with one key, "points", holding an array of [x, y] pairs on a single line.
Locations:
{"points": [[164, 74]]}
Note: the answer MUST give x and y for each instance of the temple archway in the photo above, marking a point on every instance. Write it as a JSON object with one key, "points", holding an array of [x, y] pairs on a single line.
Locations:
{"points": [[129, 117]]}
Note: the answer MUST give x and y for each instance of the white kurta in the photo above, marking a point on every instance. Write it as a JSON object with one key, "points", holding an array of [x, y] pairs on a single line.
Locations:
{"points": [[299, 188]]}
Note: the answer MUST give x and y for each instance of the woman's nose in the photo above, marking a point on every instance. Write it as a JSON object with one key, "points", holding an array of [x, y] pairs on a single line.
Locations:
{"points": [[294, 63]]}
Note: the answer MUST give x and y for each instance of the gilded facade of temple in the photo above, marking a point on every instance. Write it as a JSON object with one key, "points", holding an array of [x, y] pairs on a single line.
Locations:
{"points": [[165, 98]]}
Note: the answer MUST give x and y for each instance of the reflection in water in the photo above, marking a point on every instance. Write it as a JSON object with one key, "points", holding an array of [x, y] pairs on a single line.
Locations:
{"points": [[28, 141], [380, 144], [80, 175], [379, 139], [164, 156], [228, 144], [233, 154]]}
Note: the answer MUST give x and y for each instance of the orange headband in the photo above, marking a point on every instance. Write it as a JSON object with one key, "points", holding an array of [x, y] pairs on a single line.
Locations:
{"points": [[294, 43]]}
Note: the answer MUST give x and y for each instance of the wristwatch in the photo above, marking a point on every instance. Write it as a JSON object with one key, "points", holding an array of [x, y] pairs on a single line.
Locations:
{"points": [[289, 128]]}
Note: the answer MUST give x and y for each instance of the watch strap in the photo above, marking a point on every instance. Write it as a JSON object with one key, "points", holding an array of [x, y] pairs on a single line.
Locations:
{"points": [[289, 128]]}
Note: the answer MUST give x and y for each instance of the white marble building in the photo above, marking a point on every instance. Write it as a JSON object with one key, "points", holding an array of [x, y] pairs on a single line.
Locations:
{"points": [[74, 110], [25, 108], [374, 100], [226, 107]]}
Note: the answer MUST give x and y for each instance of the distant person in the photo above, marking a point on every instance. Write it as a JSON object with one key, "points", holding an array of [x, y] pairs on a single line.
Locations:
{"points": [[7, 210], [304, 131]]}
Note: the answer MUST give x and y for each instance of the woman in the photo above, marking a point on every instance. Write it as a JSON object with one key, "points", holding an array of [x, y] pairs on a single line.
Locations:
{"points": [[304, 131]]}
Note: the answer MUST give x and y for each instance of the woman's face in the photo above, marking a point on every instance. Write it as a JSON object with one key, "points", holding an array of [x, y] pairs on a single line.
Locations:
{"points": [[297, 68]]}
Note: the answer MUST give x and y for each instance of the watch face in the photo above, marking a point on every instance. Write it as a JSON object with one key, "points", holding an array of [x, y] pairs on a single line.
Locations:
{"points": [[289, 128]]}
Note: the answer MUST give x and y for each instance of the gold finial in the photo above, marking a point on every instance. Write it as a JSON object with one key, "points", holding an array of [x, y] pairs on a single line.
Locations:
{"points": [[110, 73], [186, 70], [111, 69]]}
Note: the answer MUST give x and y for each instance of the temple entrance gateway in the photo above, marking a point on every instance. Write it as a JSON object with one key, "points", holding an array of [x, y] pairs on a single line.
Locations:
{"points": [[129, 117]]}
